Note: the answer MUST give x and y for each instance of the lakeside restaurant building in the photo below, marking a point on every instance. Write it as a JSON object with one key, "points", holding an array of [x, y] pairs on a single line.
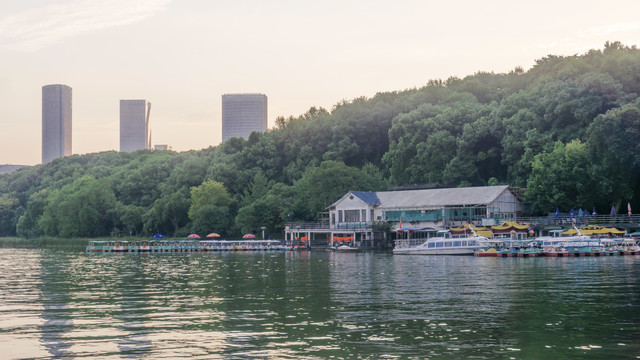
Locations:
{"points": [[355, 213]]}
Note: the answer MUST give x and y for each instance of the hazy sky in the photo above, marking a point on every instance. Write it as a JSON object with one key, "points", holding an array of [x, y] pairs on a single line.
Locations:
{"points": [[182, 55]]}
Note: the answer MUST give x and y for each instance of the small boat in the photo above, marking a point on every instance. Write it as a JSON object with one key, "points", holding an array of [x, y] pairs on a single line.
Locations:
{"points": [[97, 246], [346, 248], [520, 248], [490, 248], [144, 246], [120, 246]]}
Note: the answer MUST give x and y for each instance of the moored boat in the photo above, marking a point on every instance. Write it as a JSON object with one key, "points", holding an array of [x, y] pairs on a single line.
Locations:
{"points": [[429, 241], [490, 248], [345, 248], [96, 246]]}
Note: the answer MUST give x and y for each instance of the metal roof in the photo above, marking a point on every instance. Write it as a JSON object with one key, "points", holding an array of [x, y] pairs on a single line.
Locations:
{"points": [[367, 196], [435, 198]]}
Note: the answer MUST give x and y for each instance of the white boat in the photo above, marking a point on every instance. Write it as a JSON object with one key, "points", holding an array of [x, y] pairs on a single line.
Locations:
{"points": [[577, 245], [428, 241], [346, 248]]}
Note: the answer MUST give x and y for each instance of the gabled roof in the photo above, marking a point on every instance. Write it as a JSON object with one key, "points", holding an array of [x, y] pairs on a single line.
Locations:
{"points": [[468, 196], [367, 196], [430, 198]]}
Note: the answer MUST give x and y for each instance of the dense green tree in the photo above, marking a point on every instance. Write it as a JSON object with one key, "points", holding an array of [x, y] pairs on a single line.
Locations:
{"points": [[320, 186], [614, 145], [563, 178], [28, 225], [210, 208], [8, 215], [83, 208]]}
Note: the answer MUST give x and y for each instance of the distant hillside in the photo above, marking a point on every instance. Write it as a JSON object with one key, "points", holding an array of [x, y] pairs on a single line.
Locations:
{"points": [[567, 130]]}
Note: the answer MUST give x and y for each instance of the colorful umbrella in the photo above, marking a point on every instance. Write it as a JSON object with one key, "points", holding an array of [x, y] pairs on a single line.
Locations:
{"points": [[248, 236], [613, 212], [158, 236], [194, 236], [213, 235]]}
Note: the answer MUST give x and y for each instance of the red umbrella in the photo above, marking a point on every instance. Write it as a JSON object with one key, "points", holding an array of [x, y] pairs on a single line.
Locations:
{"points": [[248, 236], [194, 236], [213, 235]]}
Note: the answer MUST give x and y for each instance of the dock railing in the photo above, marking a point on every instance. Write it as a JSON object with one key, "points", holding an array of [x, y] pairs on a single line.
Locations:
{"points": [[601, 220], [327, 226]]}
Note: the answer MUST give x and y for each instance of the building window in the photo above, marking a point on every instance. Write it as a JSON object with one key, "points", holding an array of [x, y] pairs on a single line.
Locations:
{"points": [[364, 215], [340, 216], [351, 216], [372, 216]]}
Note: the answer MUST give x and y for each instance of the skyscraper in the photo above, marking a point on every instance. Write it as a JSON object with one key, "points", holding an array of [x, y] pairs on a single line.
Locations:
{"points": [[56, 122], [243, 114], [134, 125]]}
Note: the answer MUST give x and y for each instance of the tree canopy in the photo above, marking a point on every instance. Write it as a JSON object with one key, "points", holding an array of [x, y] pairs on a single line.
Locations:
{"points": [[567, 130]]}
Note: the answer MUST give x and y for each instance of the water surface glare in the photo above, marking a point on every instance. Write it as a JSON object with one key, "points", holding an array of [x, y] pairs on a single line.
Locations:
{"points": [[57, 303]]}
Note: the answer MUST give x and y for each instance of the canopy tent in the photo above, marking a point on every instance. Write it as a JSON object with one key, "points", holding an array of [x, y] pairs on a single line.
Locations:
{"points": [[593, 230], [511, 225], [465, 229]]}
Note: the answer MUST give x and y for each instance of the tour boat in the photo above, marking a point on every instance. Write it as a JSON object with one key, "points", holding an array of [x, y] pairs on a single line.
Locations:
{"points": [[428, 241]]}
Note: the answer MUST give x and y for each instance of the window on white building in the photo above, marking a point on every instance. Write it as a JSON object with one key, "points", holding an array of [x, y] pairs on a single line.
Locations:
{"points": [[352, 216]]}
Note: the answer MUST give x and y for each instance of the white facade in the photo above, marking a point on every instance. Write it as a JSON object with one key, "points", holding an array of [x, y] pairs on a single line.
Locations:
{"points": [[56, 122], [134, 125], [243, 114], [425, 208]]}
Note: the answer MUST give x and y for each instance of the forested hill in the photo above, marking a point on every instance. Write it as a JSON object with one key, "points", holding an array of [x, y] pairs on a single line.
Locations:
{"points": [[567, 130]]}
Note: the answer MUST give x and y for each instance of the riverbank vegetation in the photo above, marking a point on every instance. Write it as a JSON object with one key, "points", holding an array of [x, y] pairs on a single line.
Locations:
{"points": [[567, 130]]}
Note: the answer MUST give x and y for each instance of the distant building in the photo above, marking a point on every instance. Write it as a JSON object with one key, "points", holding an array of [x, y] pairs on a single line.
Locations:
{"points": [[162, 147], [243, 114], [134, 125], [8, 169], [56, 122]]}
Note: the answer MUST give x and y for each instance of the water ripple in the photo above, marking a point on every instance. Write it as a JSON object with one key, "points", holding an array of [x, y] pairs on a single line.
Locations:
{"points": [[315, 305]]}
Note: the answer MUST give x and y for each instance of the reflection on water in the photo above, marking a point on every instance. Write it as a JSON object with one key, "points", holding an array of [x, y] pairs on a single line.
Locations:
{"points": [[62, 303]]}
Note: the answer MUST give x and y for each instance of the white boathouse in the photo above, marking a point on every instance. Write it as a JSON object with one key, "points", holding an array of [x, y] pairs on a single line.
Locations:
{"points": [[355, 214]]}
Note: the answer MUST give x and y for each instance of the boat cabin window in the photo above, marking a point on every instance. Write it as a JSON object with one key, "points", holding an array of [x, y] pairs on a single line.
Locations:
{"points": [[456, 243], [464, 243], [447, 244], [472, 243], [431, 245], [439, 244]]}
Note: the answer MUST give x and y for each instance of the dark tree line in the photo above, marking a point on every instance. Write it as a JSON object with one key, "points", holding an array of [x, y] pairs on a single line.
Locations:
{"points": [[567, 130]]}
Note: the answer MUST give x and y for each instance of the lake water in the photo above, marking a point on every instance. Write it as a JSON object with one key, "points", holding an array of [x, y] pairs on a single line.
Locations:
{"points": [[306, 305]]}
